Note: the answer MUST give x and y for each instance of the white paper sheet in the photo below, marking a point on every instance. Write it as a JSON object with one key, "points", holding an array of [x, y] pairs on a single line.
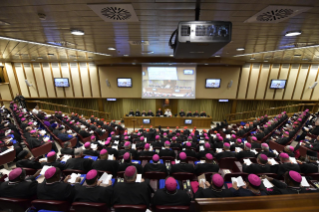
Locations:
{"points": [[218, 150], [110, 157], [115, 147], [247, 161], [202, 161], [267, 184], [239, 180], [134, 146], [203, 181], [231, 143], [116, 142], [275, 152], [254, 151], [201, 148], [138, 178], [293, 160], [43, 160], [272, 161], [44, 169], [100, 142], [66, 157], [228, 136], [213, 135], [238, 149], [177, 161], [151, 148], [105, 178], [304, 182], [7, 151], [94, 146], [73, 177], [201, 141], [145, 140]]}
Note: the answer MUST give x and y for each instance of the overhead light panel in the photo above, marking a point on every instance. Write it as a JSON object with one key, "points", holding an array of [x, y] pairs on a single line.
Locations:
{"points": [[125, 55], [111, 48], [293, 33], [240, 49], [171, 55], [53, 46], [77, 32], [217, 55]]}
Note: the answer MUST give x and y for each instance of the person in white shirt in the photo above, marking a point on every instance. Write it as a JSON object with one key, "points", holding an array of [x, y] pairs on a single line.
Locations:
{"points": [[168, 112]]}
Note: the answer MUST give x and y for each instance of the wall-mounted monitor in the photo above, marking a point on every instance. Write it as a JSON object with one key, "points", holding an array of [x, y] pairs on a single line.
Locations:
{"points": [[212, 83], [124, 82], [278, 84], [188, 72], [146, 121], [223, 100], [61, 82], [188, 121], [111, 99]]}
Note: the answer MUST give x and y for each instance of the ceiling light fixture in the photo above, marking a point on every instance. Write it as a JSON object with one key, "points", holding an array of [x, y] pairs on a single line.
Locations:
{"points": [[77, 32], [33, 60], [125, 55], [53, 46], [240, 49], [217, 55], [293, 33], [266, 61], [111, 48], [171, 55], [206, 64]]}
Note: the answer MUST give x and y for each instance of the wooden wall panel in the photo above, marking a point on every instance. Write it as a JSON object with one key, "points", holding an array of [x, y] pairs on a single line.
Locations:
{"points": [[76, 80], [21, 79], [282, 75], [30, 77], [253, 79], [57, 74], [300, 81], [38, 74], [5, 93], [315, 92], [48, 79], [66, 74], [291, 81], [273, 75], [243, 81], [85, 80], [262, 83], [310, 80], [94, 80], [12, 79]]}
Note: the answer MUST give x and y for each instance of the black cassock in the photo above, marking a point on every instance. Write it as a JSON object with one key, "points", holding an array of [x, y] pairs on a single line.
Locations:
{"points": [[22, 190], [308, 168], [179, 198], [123, 166], [106, 165], [79, 164], [245, 154], [29, 164], [56, 191], [282, 188], [155, 167], [61, 166], [132, 193], [182, 167], [256, 168], [213, 193], [93, 194], [206, 167], [280, 169], [242, 192], [67, 151], [167, 152]]}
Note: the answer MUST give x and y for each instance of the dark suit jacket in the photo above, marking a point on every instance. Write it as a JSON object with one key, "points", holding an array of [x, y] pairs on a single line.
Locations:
{"points": [[167, 152], [225, 154], [123, 166], [309, 168], [67, 151], [29, 164]]}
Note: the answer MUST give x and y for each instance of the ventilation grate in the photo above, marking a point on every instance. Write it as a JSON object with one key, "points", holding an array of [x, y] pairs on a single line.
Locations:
{"points": [[17, 64], [266, 65], [115, 12], [200, 30], [285, 65], [275, 65], [295, 66], [64, 64], [36, 65], [185, 30], [26, 65], [276, 14]]}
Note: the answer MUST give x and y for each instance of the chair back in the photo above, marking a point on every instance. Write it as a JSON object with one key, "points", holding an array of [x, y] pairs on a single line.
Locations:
{"points": [[70, 171], [272, 175], [54, 205], [189, 158], [89, 206], [164, 158], [29, 171], [130, 208], [16, 205], [314, 176], [163, 208], [227, 163], [120, 174], [155, 175], [183, 176]]}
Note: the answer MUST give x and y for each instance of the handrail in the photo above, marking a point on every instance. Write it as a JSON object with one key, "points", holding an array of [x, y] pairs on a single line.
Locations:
{"points": [[249, 115], [69, 109]]}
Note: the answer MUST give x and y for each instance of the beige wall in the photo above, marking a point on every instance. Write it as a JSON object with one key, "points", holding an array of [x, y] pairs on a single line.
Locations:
{"points": [[250, 82]]}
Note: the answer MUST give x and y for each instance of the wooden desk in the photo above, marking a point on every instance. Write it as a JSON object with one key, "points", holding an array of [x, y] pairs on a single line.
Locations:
{"points": [[167, 122]]}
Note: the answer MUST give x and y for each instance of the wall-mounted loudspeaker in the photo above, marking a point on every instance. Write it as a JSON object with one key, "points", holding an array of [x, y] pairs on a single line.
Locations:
{"points": [[108, 83], [230, 84], [27, 82], [313, 85]]}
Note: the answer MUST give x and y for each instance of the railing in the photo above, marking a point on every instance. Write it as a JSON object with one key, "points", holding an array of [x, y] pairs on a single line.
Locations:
{"points": [[51, 107], [3, 101], [250, 115]]}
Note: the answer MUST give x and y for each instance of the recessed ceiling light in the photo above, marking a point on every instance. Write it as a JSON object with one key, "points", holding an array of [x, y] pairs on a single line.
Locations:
{"points": [[133, 63], [171, 55], [125, 55], [206, 64], [297, 55], [77, 32], [240, 49], [217, 55], [111, 48], [40, 58], [292, 33]]}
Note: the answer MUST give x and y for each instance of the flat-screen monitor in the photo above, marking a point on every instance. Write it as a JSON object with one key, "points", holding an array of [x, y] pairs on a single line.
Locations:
{"points": [[146, 121], [278, 84], [188, 72], [168, 82], [111, 99], [212, 83], [124, 82], [61, 82], [223, 100], [188, 121]]}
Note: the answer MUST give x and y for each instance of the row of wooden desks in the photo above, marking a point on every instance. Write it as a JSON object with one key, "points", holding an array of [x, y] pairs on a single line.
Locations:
{"points": [[148, 121]]}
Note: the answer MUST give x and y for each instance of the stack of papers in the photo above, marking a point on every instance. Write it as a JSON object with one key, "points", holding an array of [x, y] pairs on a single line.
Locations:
{"points": [[201, 141], [304, 182], [44, 169], [177, 161], [105, 178], [94, 146], [228, 136], [293, 160], [267, 184], [201, 148], [247, 161], [116, 142], [138, 178], [66, 157], [218, 150], [134, 146], [239, 180], [110, 157], [272, 161], [73, 177], [115, 147]]}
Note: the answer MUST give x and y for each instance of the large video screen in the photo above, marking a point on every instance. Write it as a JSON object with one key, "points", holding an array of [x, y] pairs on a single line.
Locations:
{"points": [[278, 84], [61, 82], [174, 82]]}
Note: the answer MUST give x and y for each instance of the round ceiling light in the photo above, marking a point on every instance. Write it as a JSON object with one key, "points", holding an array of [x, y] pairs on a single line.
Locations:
{"points": [[77, 32], [240, 49], [293, 33]]}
